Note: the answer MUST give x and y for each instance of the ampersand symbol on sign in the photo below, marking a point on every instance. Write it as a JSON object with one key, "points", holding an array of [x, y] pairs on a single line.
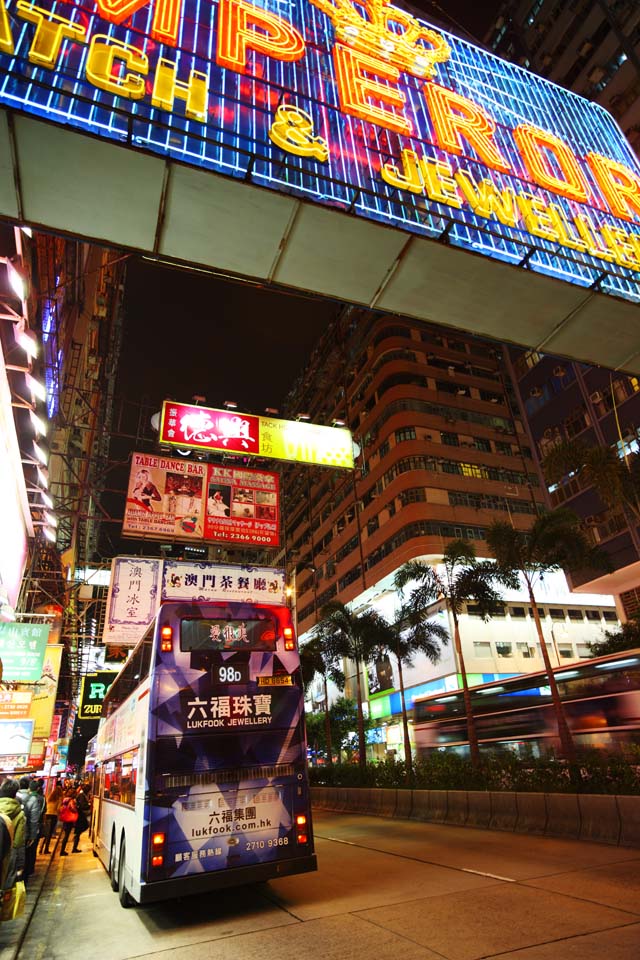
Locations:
{"points": [[292, 130]]}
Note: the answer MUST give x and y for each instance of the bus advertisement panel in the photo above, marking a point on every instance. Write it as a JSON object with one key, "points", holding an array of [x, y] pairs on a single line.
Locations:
{"points": [[201, 754]]}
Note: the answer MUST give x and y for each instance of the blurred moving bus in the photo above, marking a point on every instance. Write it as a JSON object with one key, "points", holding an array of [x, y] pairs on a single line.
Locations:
{"points": [[200, 757], [601, 701]]}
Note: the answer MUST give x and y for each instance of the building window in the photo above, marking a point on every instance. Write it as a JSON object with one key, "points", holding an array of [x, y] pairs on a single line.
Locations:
{"points": [[556, 614], [526, 651], [610, 616], [565, 652], [576, 615], [504, 649], [405, 433], [482, 650], [576, 423], [451, 439], [481, 444], [584, 651], [593, 615], [518, 612]]}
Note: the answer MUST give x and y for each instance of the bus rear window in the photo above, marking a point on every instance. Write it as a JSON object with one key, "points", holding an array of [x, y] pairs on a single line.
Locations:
{"points": [[226, 634]]}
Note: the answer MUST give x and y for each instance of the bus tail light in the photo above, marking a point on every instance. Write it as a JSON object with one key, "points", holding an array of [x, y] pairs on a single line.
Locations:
{"points": [[157, 851], [166, 639], [301, 828], [289, 641]]}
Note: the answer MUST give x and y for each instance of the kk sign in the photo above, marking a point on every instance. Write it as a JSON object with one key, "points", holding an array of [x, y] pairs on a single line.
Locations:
{"points": [[94, 690], [359, 106]]}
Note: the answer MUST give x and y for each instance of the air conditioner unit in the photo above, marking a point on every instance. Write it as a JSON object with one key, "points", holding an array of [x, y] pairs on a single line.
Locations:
{"points": [[559, 371], [596, 397]]}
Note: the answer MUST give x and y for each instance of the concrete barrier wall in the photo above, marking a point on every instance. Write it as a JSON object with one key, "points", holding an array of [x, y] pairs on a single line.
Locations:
{"points": [[603, 818]]}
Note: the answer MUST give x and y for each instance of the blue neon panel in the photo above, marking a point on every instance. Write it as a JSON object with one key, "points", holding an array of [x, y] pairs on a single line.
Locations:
{"points": [[234, 140]]}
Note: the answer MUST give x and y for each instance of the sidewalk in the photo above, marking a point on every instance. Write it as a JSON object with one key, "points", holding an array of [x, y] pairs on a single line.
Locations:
{"points": [[13, 933]]}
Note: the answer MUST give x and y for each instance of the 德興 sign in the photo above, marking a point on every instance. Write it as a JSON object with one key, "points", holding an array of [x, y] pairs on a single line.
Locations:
{"points": [[363, 107], [227, 431]]}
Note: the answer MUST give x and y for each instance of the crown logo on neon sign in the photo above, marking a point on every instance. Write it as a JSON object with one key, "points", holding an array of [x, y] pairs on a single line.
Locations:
{"points": [[412, 48]]}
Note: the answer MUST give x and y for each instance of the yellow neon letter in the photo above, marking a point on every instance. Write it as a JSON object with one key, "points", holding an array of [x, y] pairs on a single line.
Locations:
{"points": [[536, 217], [6, 39], [166, 16], [620, 185], [166, 87], [439, 182], [619, 242], [104, 52], [243, 27], [358, 77], [50, 32], [457, 118], [486, 199], [410, 178], [533, 144], [292, 130]]}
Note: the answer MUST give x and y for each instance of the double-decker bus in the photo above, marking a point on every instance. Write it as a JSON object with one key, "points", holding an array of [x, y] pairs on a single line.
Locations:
{"points": [[200, 758], [601, 700]]}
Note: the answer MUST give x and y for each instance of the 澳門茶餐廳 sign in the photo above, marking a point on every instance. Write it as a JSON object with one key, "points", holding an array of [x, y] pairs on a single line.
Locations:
{"points": [[364, 108]]}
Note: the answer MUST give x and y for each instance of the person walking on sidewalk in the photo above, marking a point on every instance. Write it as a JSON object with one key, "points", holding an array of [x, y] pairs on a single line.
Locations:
{"points": [[28, 796], [68, 817], [13, 865], [83, 806], [54, 799]]}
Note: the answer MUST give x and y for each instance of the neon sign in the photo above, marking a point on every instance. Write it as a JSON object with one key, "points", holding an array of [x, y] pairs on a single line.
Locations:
{"points": [[360, 106], [225, 431]]}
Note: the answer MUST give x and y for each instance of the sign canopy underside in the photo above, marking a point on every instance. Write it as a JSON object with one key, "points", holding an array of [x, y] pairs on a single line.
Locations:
{"points": [[126, 198]]}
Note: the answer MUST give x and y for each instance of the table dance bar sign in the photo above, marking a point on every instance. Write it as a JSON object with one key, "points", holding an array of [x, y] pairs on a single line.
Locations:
{"points": [[360, 107]]}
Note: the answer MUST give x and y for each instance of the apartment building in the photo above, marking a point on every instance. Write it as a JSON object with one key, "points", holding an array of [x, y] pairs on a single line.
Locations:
{"points": [[589, 46]]}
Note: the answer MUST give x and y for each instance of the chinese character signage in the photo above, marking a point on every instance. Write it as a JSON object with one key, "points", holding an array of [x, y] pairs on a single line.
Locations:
{"points": [[14, 704], [132, 600], [216, 581], [189, 500], [359, 106], [94, 690], [204, 428], [44, 692], [22, 648]]}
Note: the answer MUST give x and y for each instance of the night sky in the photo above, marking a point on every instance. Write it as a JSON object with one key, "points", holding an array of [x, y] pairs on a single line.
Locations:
{"points": [[189, 333]]}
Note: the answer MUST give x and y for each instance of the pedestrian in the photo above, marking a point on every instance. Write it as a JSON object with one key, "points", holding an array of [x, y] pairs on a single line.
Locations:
{"points": [[54, 799], [32, 810], [12, 866], [68, 816], [84, 809]]}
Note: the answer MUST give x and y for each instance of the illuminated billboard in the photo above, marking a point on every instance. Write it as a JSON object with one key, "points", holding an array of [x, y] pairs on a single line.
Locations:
{"points": [[228, 431], [190, 500], [361, 107]]}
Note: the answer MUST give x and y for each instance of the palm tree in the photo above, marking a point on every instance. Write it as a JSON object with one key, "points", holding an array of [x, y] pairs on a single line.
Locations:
{"points": [[354, 638], [617, 481], [554, 542], [317, 659], [464, 579], [410, 634]]}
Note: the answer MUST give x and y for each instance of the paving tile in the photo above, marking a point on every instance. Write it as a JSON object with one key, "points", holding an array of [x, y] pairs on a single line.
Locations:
{"points": [[335, 938], [494, 920], [616, 885], [623, 943]]}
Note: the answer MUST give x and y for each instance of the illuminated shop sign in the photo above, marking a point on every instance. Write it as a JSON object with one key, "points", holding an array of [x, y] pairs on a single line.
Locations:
{"points": [[190, 500], [361, 107], [228, 431]]}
